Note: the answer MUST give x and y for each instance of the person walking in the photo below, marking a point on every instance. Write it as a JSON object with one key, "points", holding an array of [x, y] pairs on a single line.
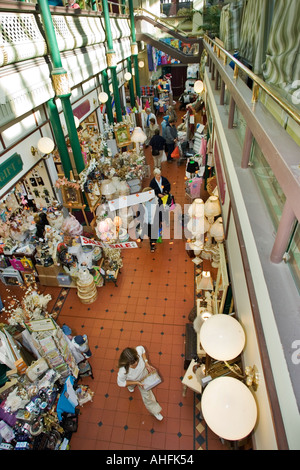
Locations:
{"points": [[149, 220], [171, 139], [157, 143], [172, 113], [160, 184], [133, 368], [153, 126], [149, 115], [164, 124]]}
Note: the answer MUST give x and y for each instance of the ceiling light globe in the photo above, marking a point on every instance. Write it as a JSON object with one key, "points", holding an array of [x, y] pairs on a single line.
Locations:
{"points": [[103, 97], [222, 337], [228, 407], [45, 145]]}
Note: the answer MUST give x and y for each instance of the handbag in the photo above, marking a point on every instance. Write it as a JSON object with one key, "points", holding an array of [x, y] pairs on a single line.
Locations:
{"points": [[164, 157], [175, 153], [155, 152], [36, 369]]}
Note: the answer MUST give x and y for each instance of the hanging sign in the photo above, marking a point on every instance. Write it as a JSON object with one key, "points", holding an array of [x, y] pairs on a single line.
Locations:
{"points": [[87, 242], [10, 168]]}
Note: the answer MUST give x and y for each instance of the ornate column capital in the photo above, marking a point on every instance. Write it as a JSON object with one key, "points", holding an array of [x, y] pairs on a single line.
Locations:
{"points": [[134, 49], [61, 83], [111, 59]]}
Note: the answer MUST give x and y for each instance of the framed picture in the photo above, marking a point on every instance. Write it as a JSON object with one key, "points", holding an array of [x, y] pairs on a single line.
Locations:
{"points": [[122, 135], [71, 195]]}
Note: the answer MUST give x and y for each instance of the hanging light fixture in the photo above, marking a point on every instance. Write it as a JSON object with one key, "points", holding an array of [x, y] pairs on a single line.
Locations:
{"points": [[141, 64], [222, 337], [228, 407], [103, 97], [127, 76], [45, 145]]}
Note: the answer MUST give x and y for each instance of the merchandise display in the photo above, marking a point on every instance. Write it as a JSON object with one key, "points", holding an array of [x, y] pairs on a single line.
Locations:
{"points": [[40, 394]]}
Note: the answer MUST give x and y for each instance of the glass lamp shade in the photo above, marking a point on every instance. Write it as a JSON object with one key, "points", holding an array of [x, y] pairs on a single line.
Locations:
{"points": [[141, 64], [118, 221], [196, 209], [212, 207], [127, 76], [222, 337], [205, 281], [45, 145], [107, 188], [217, 230], [138, 135], [228, 407], [103, 97], [198, 86], [103, 226]]}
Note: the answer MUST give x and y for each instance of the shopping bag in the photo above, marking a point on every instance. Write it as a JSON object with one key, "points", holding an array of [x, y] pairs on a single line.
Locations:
{"points": [[175, 153], [164, 157]]}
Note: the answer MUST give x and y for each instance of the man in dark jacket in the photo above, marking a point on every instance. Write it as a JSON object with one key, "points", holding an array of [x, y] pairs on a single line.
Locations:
{"points": [[157, 143], [171, 139]]}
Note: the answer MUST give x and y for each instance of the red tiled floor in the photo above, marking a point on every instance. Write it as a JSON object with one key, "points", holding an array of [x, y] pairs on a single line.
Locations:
{"points": [[150, 306]]}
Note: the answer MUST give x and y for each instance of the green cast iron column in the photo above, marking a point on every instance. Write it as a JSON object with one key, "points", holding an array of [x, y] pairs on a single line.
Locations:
{"points": [[111, 61], [61, 83], [59, 137], [106, 89], [131, 87], [134, 50]]}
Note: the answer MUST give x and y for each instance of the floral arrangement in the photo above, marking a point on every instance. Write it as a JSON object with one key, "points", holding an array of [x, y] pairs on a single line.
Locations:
{"points": [[33, 306], [65, 182]]}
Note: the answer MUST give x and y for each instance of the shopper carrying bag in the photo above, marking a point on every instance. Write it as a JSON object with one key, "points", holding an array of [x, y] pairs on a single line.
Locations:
{"points": [[134, 367]]}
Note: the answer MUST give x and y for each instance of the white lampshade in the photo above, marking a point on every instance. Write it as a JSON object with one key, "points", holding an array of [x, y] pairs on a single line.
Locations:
{"points": [[107, 188], [198, 86], [200, 319], [228, 407], [45, 145], [217, 230], [196, 246], [103, 97], [206, 282], [127, 76], [222, 337], [138, 135], [212, 207], [103, 226], [196, 209]]}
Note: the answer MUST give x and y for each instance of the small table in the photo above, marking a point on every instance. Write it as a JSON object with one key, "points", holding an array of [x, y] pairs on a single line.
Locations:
{"points": [[190, 380]]}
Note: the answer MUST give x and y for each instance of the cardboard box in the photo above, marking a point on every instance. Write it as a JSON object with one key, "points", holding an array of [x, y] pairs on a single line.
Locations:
{"points": [[48, 280], [50, 271]]}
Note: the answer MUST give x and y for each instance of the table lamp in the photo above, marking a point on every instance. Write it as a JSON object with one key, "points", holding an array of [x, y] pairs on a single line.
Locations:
{"points": [[212, 208], [138, 137], [205, 282], [228, 407]]}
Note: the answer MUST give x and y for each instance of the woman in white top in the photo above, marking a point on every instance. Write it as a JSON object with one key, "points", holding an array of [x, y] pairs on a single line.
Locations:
{"points": [[133, 367]]}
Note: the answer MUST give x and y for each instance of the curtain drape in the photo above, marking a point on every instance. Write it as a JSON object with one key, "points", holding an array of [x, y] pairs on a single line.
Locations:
{"points": [[230, 24], [282, 64]]}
